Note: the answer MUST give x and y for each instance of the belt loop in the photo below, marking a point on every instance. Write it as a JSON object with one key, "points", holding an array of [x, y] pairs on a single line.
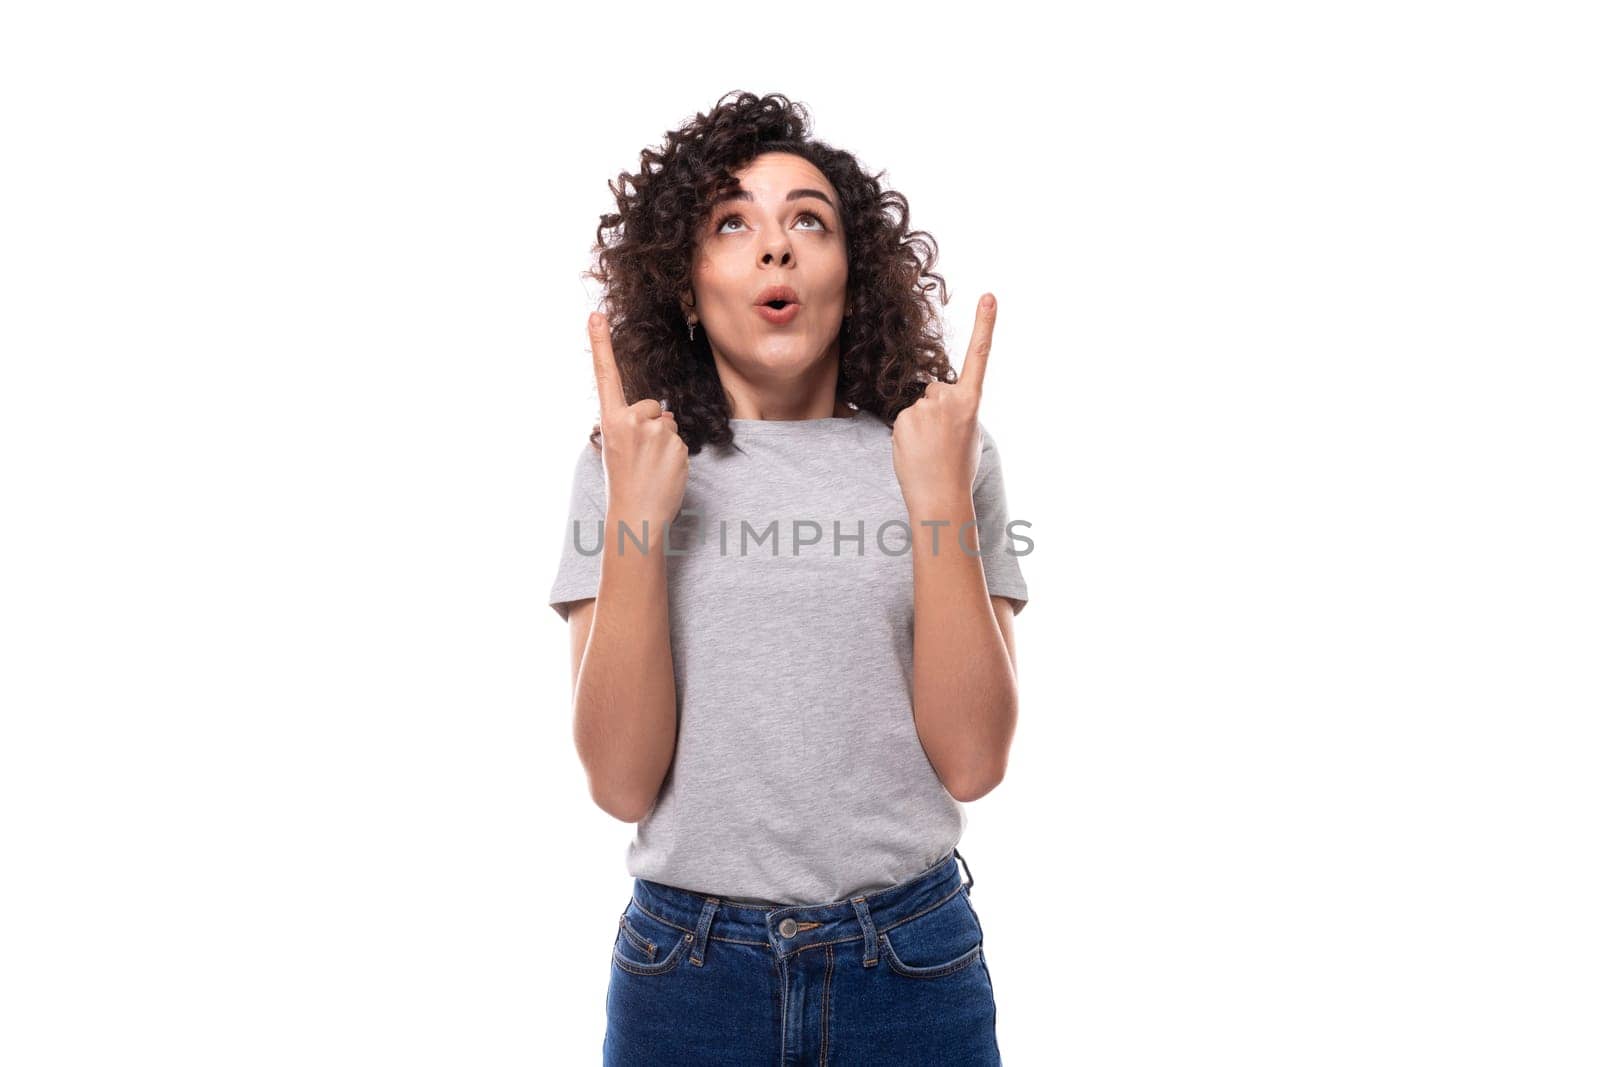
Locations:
{"points": [[867, 928], [970, 879], [697, 954]]}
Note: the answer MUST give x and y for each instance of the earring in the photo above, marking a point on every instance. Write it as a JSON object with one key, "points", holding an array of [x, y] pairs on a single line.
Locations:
{"points": [[691, 330]]}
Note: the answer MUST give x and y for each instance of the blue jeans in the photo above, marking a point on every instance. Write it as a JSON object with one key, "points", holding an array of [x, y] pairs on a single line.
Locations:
{"points": [[892, 977]]}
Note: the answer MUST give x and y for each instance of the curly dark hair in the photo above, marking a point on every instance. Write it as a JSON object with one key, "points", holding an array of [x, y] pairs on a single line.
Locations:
{"points": [[890, 344]]}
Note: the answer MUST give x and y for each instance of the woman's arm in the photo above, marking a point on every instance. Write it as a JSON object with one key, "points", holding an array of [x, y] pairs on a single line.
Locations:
{"points": [[624, 694], [964, 687], [964, 679]]}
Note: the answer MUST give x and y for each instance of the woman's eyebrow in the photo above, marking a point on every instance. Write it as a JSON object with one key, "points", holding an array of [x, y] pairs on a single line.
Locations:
{"points": [[794, 194]]}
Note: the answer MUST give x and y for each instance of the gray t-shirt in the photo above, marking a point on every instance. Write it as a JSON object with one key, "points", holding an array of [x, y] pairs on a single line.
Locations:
{"points": [[798, 777]]}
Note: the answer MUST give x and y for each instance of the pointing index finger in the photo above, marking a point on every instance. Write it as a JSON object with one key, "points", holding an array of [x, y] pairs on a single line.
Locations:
{"points": [[607, 381], [977, 361]]}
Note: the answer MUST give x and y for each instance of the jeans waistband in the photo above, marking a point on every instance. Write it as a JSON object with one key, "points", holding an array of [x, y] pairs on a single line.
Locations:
{"points": [[791, 928]]}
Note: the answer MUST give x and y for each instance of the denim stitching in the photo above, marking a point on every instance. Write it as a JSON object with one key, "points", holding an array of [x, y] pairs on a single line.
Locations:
{"points": [[938, 904], [741, 941], [653, 969], [645, 945], [899, 966], [827, 985], [783, 1012], [939, 863]]}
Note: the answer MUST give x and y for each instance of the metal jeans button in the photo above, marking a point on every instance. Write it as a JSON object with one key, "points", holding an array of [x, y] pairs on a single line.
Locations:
{"points": [[788, 928]]}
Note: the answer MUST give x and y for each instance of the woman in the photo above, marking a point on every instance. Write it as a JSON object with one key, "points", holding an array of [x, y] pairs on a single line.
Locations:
{"points": [[792, 686]]}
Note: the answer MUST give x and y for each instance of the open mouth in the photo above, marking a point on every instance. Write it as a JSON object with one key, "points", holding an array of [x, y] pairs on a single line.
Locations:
{"points": [[780, 308]]}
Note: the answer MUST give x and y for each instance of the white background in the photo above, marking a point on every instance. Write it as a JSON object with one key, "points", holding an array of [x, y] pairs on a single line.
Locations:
{"points": [[1294, 375]]}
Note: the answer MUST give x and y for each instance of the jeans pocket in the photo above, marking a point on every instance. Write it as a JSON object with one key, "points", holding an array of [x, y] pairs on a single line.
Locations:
{"points": [[647, 945], [938, 942]]}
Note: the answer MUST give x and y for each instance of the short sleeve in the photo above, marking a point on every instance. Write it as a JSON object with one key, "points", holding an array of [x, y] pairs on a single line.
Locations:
{"points": [[578, 571], [1000, 549]]}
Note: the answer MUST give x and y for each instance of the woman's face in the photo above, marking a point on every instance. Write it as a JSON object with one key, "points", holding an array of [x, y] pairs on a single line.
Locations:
{"points": [[782, 227]]}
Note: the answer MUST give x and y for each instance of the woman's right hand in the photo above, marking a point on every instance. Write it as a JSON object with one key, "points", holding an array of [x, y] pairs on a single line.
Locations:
{"points": [[646, 462]]}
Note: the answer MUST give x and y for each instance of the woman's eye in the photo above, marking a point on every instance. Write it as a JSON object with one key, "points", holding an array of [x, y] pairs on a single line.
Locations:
{"points": [[813, 216]]}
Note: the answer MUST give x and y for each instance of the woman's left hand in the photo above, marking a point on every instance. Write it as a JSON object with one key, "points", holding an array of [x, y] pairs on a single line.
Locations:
{"points": [[937, 443]]}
